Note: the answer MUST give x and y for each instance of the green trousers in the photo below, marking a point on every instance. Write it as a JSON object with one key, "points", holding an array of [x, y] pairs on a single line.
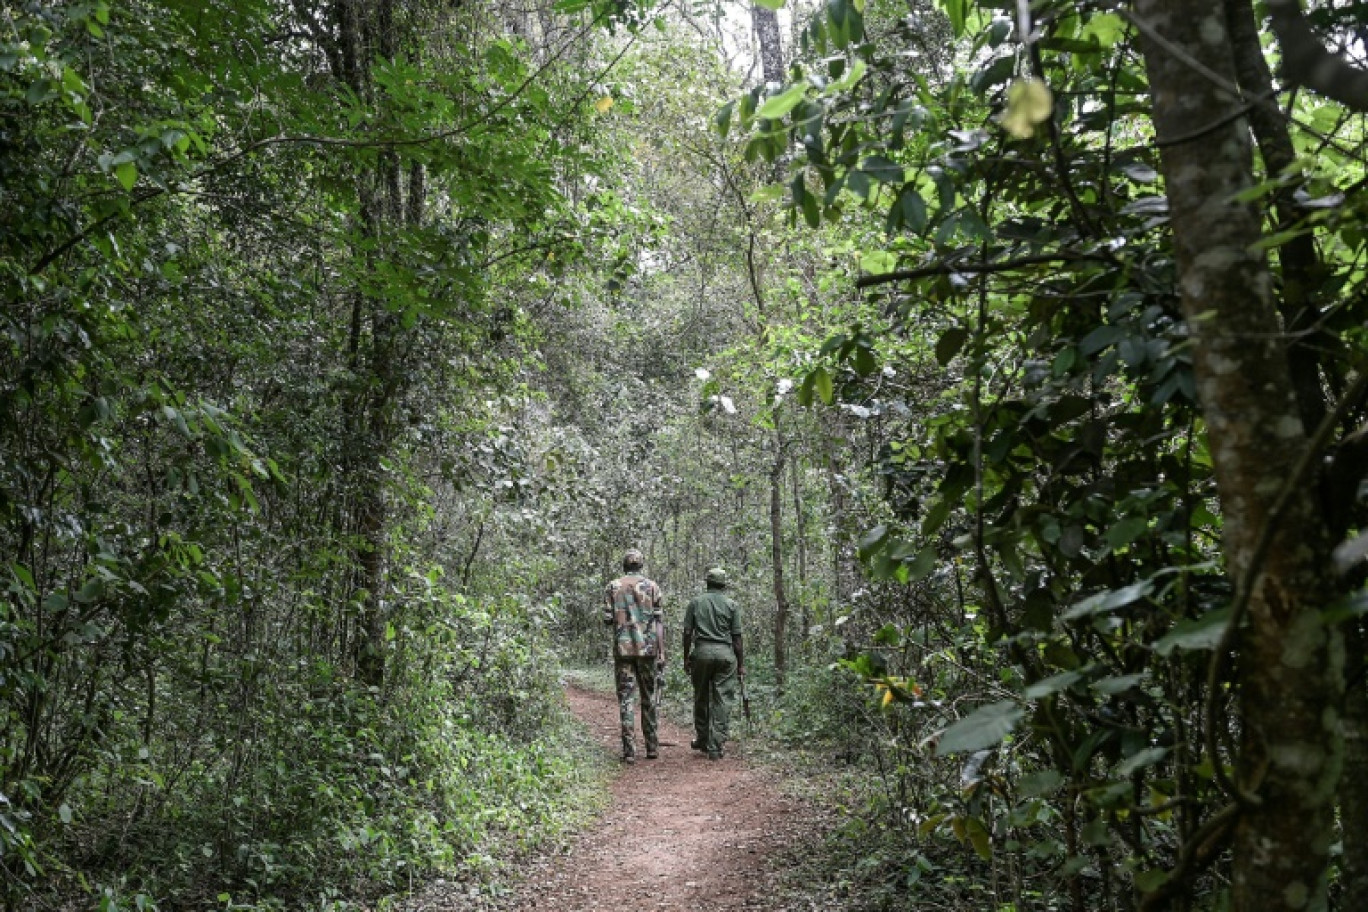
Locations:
{"points": [[633, 675], [713, 670]]}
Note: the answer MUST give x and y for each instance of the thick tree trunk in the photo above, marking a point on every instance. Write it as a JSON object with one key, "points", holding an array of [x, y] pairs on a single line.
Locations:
{"points": [[1300, 272], [1290, 663], [1354, 787]]}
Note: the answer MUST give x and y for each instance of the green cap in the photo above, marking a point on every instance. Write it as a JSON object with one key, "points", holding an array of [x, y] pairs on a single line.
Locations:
{"points": [[716, 576]]}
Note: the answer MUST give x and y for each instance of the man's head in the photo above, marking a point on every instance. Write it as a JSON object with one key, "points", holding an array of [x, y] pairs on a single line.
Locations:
{"points": [[633, 560], [716, 578]]}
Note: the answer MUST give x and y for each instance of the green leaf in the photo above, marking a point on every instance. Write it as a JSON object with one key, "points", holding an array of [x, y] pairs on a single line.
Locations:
{"points": [[1039, 784], [882, 169], [978, 836], [770, 4], [779, 105], [1125, 531], [950, 343], [1204, 632], [1147, 757], [852, 76], [768, 193], [821, 384], [1109, 600], [957, 11], [64, 812], [724, 118], [871, 540], [877, 262], [1116, 684], [985, 727], [1052, 685], [127, 174], [1151, 880], [922, 565]]}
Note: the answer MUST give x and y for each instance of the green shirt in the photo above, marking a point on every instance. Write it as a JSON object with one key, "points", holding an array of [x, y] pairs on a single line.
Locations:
{"points": [[712, 617]]}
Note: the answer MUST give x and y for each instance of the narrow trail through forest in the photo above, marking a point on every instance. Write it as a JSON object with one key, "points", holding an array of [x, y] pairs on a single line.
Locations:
{"points": [[681, 833]]}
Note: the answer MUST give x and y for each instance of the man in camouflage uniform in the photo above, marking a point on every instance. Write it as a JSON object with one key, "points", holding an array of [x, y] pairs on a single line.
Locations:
{"points": [[633, 611], [714, 659]]}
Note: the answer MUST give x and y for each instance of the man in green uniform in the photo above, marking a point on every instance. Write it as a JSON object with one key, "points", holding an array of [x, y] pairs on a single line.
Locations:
{"points": [[633, 611], [714, 658]]}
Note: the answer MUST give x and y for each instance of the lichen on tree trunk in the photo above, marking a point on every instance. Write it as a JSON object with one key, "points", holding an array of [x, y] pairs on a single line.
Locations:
{"points": [[1289, 663]]}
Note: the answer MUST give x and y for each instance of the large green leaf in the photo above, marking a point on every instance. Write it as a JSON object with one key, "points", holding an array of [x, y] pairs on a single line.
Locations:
{"points": [[777, 106], [1202, 633], [985, 727]]}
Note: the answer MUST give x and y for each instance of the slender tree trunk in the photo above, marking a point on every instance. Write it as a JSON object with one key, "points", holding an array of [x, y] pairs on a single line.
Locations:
{"points": [[766, 24], [1290, 663], [781, 607], [1298, 257], [800, 540], [391, 198], [844, 575]]}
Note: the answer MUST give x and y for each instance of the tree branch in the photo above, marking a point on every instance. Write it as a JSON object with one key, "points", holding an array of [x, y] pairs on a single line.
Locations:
{"points": [[945, 268], [1305, 60]]}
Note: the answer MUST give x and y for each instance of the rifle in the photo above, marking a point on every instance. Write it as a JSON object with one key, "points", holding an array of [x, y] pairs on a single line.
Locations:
{"points": [[745, 706]]}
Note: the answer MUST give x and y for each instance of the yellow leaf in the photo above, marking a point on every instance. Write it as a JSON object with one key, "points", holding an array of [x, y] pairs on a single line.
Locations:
{"points": [[603, 104], [1029, 103], [888, 696]]}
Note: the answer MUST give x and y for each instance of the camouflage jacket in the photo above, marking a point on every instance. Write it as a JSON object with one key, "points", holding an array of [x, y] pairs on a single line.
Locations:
{"points": [[633, 610]]}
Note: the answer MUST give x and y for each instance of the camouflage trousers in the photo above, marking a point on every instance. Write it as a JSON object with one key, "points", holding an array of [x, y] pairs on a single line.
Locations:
{"points": [[713, 670], [637, 673]]}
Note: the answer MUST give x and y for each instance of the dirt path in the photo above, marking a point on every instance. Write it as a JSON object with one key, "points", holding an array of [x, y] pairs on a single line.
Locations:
{"points": [[683, 834]]}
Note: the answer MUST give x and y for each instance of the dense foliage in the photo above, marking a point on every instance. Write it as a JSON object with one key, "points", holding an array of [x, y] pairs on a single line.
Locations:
{"points": [[1008, 355]]}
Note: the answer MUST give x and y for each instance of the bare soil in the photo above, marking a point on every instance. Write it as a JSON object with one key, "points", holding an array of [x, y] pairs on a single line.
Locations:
{"points": [[682, 834]]}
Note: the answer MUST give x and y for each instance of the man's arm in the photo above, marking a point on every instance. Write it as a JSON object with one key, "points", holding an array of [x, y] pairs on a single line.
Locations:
{"points": [[687, 644], [738, 645], [659, 627], [608, 606]]}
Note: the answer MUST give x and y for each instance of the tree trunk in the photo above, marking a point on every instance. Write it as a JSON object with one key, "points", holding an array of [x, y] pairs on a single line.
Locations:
{"points": [[1297, 257], [766, 24], [1354, 786], [390, 199], [781, 608], [800, 540], [1290, 663], [845, 575]]}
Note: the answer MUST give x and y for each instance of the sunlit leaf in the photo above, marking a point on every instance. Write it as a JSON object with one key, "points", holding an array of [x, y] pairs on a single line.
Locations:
{"points": [[779, 105], [1029, 104]]}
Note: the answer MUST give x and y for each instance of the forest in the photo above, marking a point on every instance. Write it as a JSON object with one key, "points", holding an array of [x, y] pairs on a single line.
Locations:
{"points": [[1009, 355]]}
